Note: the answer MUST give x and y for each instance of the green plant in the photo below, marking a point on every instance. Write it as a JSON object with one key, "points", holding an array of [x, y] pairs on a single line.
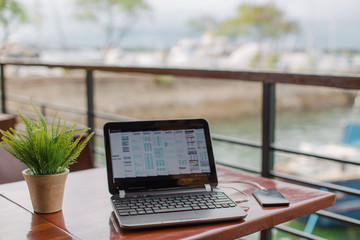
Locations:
{"points": [[164, 80], [43, 149]]}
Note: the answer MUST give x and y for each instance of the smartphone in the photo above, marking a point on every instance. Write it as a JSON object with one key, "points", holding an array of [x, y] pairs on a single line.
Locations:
{"points": [[270, 198]]}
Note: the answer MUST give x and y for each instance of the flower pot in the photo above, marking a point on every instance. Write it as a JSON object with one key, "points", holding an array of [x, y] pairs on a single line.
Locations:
{"points": [[46, 191]]}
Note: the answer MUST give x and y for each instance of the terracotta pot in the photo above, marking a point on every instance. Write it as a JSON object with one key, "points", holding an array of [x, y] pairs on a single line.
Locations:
{"points": [[46, 191]]}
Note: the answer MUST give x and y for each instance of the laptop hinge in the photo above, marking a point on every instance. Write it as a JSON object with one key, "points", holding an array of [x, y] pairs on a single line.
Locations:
{"points": [[208, 187], [122, 193]]}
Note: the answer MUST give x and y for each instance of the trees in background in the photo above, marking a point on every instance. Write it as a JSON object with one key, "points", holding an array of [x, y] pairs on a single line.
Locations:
{"points": [[116, 17], [260, 22], [252, 22], [11, 12]]}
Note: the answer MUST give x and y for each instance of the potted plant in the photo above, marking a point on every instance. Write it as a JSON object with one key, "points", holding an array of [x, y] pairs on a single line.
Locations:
{"points": [[47, 151]]}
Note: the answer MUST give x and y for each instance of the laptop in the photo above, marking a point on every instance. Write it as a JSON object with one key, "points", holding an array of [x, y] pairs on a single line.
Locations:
{"points": [[162, 173]]}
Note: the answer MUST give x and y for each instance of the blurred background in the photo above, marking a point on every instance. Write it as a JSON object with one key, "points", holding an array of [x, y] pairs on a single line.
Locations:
{"points": [[300, 36]]}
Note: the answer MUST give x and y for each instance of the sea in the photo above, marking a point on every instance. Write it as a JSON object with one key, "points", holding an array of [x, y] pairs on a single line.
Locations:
{"points": [[293, 130]]}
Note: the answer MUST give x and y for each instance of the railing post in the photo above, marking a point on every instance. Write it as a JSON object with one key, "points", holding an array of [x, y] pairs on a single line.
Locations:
{"points": [[268, 128], [90, 105], [268, 137], [3, 92], [265, 234], [90, 99], [43, 109]]}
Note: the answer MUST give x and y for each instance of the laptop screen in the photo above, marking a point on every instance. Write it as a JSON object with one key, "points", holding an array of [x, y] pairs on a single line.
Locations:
{"points": [[156, 154]]}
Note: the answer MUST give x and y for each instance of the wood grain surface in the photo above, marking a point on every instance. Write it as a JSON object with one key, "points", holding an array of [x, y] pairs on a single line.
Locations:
{"points": [[87, 212]]}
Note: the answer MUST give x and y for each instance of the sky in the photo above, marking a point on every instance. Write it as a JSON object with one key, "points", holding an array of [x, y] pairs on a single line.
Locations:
{"points": [[326, 22]]}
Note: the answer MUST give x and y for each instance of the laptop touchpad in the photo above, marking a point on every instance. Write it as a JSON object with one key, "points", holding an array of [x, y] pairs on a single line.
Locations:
{"points": [[188, 215]]}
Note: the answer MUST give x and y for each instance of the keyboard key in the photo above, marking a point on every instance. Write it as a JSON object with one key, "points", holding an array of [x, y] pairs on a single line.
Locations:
{"points": [[172, 210], [123, 208]]}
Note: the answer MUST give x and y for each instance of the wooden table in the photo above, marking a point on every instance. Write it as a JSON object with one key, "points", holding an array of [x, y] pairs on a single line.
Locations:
{"points": [[18, 223], [87, 212]]}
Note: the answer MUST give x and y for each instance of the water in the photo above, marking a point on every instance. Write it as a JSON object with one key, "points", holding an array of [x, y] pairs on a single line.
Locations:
{"points": [[292, 130]]}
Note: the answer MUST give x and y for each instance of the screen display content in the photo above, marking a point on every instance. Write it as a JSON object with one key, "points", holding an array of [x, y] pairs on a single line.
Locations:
{"points": [[159, 153]]}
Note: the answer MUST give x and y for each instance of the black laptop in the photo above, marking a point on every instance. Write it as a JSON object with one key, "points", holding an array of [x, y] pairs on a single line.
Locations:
{"points": [[163, 173]]}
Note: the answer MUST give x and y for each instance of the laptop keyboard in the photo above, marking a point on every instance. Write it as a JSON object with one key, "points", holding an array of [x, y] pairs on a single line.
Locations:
{"points": [[173, 203]]}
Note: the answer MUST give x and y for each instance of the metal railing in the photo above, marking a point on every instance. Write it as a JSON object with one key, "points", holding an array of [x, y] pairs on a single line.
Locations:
{"points": [[267, 144]]}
